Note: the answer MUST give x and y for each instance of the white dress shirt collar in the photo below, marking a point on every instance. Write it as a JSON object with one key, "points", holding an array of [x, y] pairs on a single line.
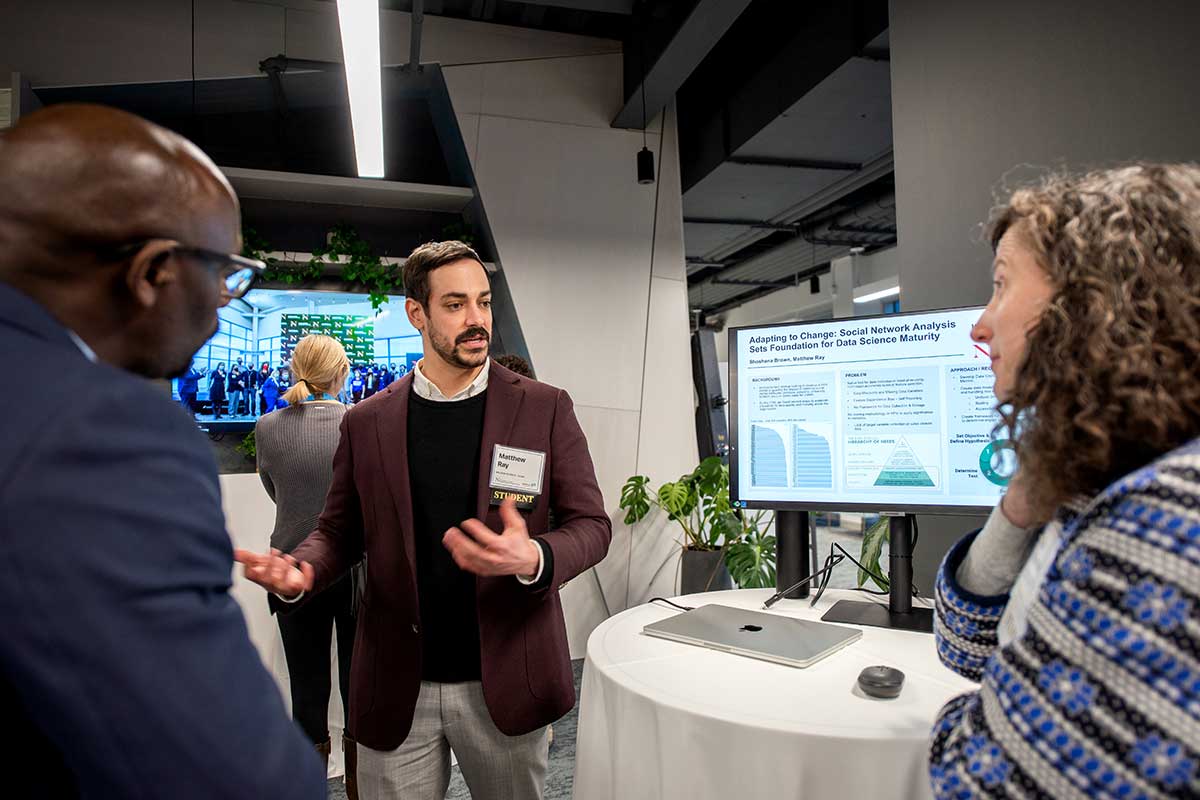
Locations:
{"points": [[88, 352], [426, 390]]}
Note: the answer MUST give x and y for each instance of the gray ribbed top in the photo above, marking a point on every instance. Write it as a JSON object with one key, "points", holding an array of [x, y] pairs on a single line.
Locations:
{"points": [[295, 461]]}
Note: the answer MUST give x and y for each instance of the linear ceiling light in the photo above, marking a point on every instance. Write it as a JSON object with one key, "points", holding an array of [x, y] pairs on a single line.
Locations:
{"points": [[359, 23], [878, 290]]}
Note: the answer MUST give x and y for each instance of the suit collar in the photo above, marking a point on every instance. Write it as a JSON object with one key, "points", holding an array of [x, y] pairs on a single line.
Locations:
{"points": [[391, 426], [19, 310], [504, 397]]}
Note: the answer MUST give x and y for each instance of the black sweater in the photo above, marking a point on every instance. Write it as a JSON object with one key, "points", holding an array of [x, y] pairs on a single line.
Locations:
{"points": [[443, 461]]}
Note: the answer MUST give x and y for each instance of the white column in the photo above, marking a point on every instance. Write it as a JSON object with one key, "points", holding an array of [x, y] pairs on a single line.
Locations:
{"points": [[842, 270]]}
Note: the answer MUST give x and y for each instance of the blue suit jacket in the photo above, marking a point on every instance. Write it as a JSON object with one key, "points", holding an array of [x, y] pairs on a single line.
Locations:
{"points": [[125, 665]]}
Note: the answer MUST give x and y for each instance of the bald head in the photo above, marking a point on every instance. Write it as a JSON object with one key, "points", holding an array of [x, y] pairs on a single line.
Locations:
{"points": [[104, 221], [77, 180]]}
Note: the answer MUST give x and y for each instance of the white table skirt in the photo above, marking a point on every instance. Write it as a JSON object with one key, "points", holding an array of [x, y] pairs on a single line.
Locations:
{"points": [[660, 719]]}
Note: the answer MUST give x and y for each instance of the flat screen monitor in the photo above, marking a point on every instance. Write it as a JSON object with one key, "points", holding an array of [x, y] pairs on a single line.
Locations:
{"points": [[888, 413], [261, 330]]}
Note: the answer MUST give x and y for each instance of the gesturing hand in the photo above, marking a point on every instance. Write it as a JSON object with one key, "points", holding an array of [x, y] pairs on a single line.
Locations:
{"points": [[275, 571], [485, 552]]}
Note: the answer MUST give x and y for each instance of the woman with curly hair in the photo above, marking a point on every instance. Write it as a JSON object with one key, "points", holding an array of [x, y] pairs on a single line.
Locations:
{"points": [[1077, 606]]}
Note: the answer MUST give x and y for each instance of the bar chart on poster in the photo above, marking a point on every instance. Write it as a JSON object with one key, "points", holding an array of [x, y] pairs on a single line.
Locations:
{"points": [[892, 412]]}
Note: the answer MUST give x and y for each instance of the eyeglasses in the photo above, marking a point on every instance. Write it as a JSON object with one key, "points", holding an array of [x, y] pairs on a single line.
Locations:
{"points": [[238, 273]]}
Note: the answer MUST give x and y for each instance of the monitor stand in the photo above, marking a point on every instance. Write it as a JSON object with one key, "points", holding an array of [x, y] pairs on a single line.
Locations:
{"points": [[899, 612]]}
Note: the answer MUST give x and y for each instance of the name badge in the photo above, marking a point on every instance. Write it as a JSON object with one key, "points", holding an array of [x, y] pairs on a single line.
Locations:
{"points": [[518, 474]]}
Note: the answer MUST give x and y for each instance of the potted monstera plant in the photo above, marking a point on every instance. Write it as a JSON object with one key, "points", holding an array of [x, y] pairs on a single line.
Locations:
{"points": [[721, 545]]}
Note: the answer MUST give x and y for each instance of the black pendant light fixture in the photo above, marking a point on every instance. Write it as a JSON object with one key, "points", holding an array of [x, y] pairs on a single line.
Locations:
{"points": [[645, 158]]}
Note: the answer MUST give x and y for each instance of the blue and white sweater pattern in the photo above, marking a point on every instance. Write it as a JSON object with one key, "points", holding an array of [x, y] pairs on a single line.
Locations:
{"points": [[1100, 697]]}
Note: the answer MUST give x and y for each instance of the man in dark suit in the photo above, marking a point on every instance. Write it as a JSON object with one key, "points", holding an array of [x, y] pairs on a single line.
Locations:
{"points": [[125, 665], [461, 641], [189, 386]]}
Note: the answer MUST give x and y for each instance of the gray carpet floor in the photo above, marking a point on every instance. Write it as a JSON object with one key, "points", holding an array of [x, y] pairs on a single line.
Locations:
{"points": [[560, 775]]}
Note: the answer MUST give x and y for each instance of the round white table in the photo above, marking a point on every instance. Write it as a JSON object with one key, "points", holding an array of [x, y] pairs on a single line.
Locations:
{"points": [[660, 719]]}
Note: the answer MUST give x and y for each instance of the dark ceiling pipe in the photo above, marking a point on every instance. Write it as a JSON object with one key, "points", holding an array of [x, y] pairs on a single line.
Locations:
{"points": [[815, 229]]}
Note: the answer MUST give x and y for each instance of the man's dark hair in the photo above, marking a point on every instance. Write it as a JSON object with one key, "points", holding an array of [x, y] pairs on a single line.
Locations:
{"points": [[428, 257], [513, 362]]}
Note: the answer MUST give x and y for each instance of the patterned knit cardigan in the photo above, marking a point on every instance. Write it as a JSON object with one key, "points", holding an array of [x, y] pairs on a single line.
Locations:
{"points": [[1101, 695]]}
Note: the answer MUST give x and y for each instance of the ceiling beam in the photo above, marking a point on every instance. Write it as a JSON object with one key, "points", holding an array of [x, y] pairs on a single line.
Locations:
{"points": [[760, 284], [762, 291], [699, 33], [873, 230], [602, 6], [776, 54], [796, 163], [872, 171], [745, 223]]}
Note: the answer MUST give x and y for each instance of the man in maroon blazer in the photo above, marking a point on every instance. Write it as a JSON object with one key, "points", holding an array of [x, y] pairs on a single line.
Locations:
{"points": [[445, 481]]}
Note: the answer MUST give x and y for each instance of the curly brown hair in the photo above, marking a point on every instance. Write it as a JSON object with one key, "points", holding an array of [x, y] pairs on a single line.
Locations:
{"points": [[1111, 375]]}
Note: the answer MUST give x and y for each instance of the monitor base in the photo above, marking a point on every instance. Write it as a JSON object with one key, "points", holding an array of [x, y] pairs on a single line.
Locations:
{"points": [[857, 612]]}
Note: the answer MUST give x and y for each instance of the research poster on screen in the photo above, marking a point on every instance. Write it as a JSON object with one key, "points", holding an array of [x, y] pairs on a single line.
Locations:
{"points": [[887, 410]]}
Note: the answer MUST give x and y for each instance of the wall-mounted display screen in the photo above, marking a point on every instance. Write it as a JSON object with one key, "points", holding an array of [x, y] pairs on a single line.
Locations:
{"points": [[260, 331], [890, 413]]}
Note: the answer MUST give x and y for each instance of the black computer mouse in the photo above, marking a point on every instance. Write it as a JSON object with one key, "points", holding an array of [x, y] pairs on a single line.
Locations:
{"points": [[881, 681]]}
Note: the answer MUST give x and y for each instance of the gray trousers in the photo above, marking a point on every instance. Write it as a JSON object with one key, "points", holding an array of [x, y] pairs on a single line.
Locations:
{"points": [[454, 715]]}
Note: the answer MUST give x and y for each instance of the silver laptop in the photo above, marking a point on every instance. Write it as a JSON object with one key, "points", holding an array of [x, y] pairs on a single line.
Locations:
{"points": [[771, 637]]}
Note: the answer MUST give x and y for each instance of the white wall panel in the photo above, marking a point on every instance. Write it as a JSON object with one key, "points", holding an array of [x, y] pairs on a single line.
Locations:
{"points": [[572, 227], [577, 91]]}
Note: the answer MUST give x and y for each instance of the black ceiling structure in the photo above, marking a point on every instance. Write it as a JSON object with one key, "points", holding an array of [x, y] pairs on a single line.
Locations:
{"points": [[784, 120], [784, 125]]}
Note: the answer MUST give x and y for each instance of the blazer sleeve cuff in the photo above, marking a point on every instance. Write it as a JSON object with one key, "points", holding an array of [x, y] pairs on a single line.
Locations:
{"points": [[545, 570]]}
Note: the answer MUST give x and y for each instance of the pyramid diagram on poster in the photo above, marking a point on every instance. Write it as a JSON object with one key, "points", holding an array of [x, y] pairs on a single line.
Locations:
{"points": [[903, 468]]}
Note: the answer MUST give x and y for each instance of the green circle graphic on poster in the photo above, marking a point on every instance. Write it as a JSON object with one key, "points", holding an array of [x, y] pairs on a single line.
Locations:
{"points": [[998, 461]]}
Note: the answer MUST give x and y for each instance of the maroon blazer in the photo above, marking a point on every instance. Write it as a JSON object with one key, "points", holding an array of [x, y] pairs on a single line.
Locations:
{"points": [[526, 667]]}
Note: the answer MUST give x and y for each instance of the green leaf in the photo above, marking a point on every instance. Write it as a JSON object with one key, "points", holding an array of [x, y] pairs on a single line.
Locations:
{"points": [[711, 476], [678, 498], [248, 446], [751, 562], [872, 548], [723, 528], [635, 499]]}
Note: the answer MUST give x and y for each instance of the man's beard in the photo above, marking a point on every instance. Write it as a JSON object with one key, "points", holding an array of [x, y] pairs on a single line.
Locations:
{"points": [[449, 353]]}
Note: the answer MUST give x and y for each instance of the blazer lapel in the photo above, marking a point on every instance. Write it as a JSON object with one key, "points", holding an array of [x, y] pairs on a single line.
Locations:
{"points": [[504, 398], [391, 423]]}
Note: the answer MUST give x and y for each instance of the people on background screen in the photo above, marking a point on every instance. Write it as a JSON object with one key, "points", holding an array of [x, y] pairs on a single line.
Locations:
{"points": [[253, 389], [1077, 606], [270, 391], [216, 390], [189, 387], [125, 665], [264, 372], [473, 610], [370, 381], [295, 448], [237, 387]]}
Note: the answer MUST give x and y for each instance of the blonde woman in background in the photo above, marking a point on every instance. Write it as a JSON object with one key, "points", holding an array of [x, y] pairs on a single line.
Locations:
{"points": [[295, 461]]}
